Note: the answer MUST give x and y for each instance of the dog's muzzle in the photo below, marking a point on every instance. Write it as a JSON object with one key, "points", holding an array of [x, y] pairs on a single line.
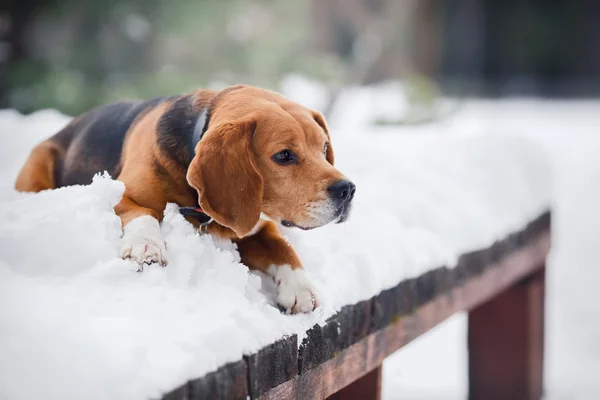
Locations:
{"points": [[342, 193]]}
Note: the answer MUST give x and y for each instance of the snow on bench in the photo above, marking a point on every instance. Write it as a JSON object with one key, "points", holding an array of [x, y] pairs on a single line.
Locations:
{"points": [[502, 287], [76, 322]]}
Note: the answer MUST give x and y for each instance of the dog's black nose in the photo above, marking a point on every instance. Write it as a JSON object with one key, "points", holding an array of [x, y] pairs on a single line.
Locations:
{"points": [[342, 191]]}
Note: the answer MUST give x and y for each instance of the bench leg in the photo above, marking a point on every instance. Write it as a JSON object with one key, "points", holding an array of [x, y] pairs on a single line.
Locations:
{"points": [[366, 388], [506, 343]]}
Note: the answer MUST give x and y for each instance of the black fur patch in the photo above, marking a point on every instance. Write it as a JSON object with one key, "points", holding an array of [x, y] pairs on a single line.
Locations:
{"points": [[160, 171], [176, 129], [100, 142]]}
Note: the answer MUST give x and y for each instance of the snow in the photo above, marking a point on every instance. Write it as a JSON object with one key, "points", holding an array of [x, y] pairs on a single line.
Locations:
{"points": [[76, 321], [435, 365]]}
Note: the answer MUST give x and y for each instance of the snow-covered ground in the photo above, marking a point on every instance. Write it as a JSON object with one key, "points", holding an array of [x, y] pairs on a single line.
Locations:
{"points": [[76, 322], [435, 366]]}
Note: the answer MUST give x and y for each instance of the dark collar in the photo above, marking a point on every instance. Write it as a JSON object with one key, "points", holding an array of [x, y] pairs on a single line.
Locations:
{"points": [[196, 212], [199, 130]]}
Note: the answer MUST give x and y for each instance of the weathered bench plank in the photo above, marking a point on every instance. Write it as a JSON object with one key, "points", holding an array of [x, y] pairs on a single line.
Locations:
{"points": [[272, 365], [368, 354], [228, 382], [366, 388], [348, 351], [506, 343]]}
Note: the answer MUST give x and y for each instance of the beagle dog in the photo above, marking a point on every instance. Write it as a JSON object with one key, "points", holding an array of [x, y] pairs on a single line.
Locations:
{"points": [[245, 158]]}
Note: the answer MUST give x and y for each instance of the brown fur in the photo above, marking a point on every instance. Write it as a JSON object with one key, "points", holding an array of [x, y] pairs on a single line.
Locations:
{"points": [[38, 173], [224, 172], [266, 248], [232, 173], [145, 193]]}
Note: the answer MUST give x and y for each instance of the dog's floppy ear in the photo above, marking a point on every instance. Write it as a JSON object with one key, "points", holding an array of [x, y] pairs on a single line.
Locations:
{"points": [[230, 188], [321, 121]]}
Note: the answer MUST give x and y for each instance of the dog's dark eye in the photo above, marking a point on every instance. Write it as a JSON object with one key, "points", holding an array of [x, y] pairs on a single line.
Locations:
{"points": [[284, 157], [325, 148]]}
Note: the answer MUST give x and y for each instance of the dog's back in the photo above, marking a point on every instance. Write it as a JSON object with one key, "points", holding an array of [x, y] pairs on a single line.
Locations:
{"points": [[89, 144]]}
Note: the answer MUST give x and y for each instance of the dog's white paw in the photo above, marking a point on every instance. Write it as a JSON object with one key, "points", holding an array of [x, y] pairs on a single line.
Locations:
{"points": [[295, 292], [144, 252], [143, 242]]}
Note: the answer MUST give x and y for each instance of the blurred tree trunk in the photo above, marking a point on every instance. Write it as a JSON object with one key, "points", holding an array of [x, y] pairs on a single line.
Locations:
{"points": [[378, 39], [15, 16], [426, 46], [410, 28]]}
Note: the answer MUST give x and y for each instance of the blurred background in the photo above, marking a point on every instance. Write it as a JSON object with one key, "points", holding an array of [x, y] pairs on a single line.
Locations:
{"points": [[526, 67], [74, 54]]}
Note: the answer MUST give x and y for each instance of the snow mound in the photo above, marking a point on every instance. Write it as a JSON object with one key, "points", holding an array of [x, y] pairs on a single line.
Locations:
{"points": [[77, 322]]}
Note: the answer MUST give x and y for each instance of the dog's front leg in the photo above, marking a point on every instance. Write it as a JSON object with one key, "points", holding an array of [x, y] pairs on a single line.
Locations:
{"points": [[267, 251], [142, 239]]}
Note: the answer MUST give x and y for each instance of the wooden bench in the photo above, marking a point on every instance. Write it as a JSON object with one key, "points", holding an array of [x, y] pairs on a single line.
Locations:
{"points": [[501, 287]]}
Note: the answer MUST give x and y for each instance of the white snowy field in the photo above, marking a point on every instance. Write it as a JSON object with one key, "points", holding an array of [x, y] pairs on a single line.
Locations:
{"points": [[77, 322], [435, 366]]}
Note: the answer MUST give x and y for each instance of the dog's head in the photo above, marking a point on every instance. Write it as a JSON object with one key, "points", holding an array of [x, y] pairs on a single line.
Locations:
{"points": [[264, 154]]}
